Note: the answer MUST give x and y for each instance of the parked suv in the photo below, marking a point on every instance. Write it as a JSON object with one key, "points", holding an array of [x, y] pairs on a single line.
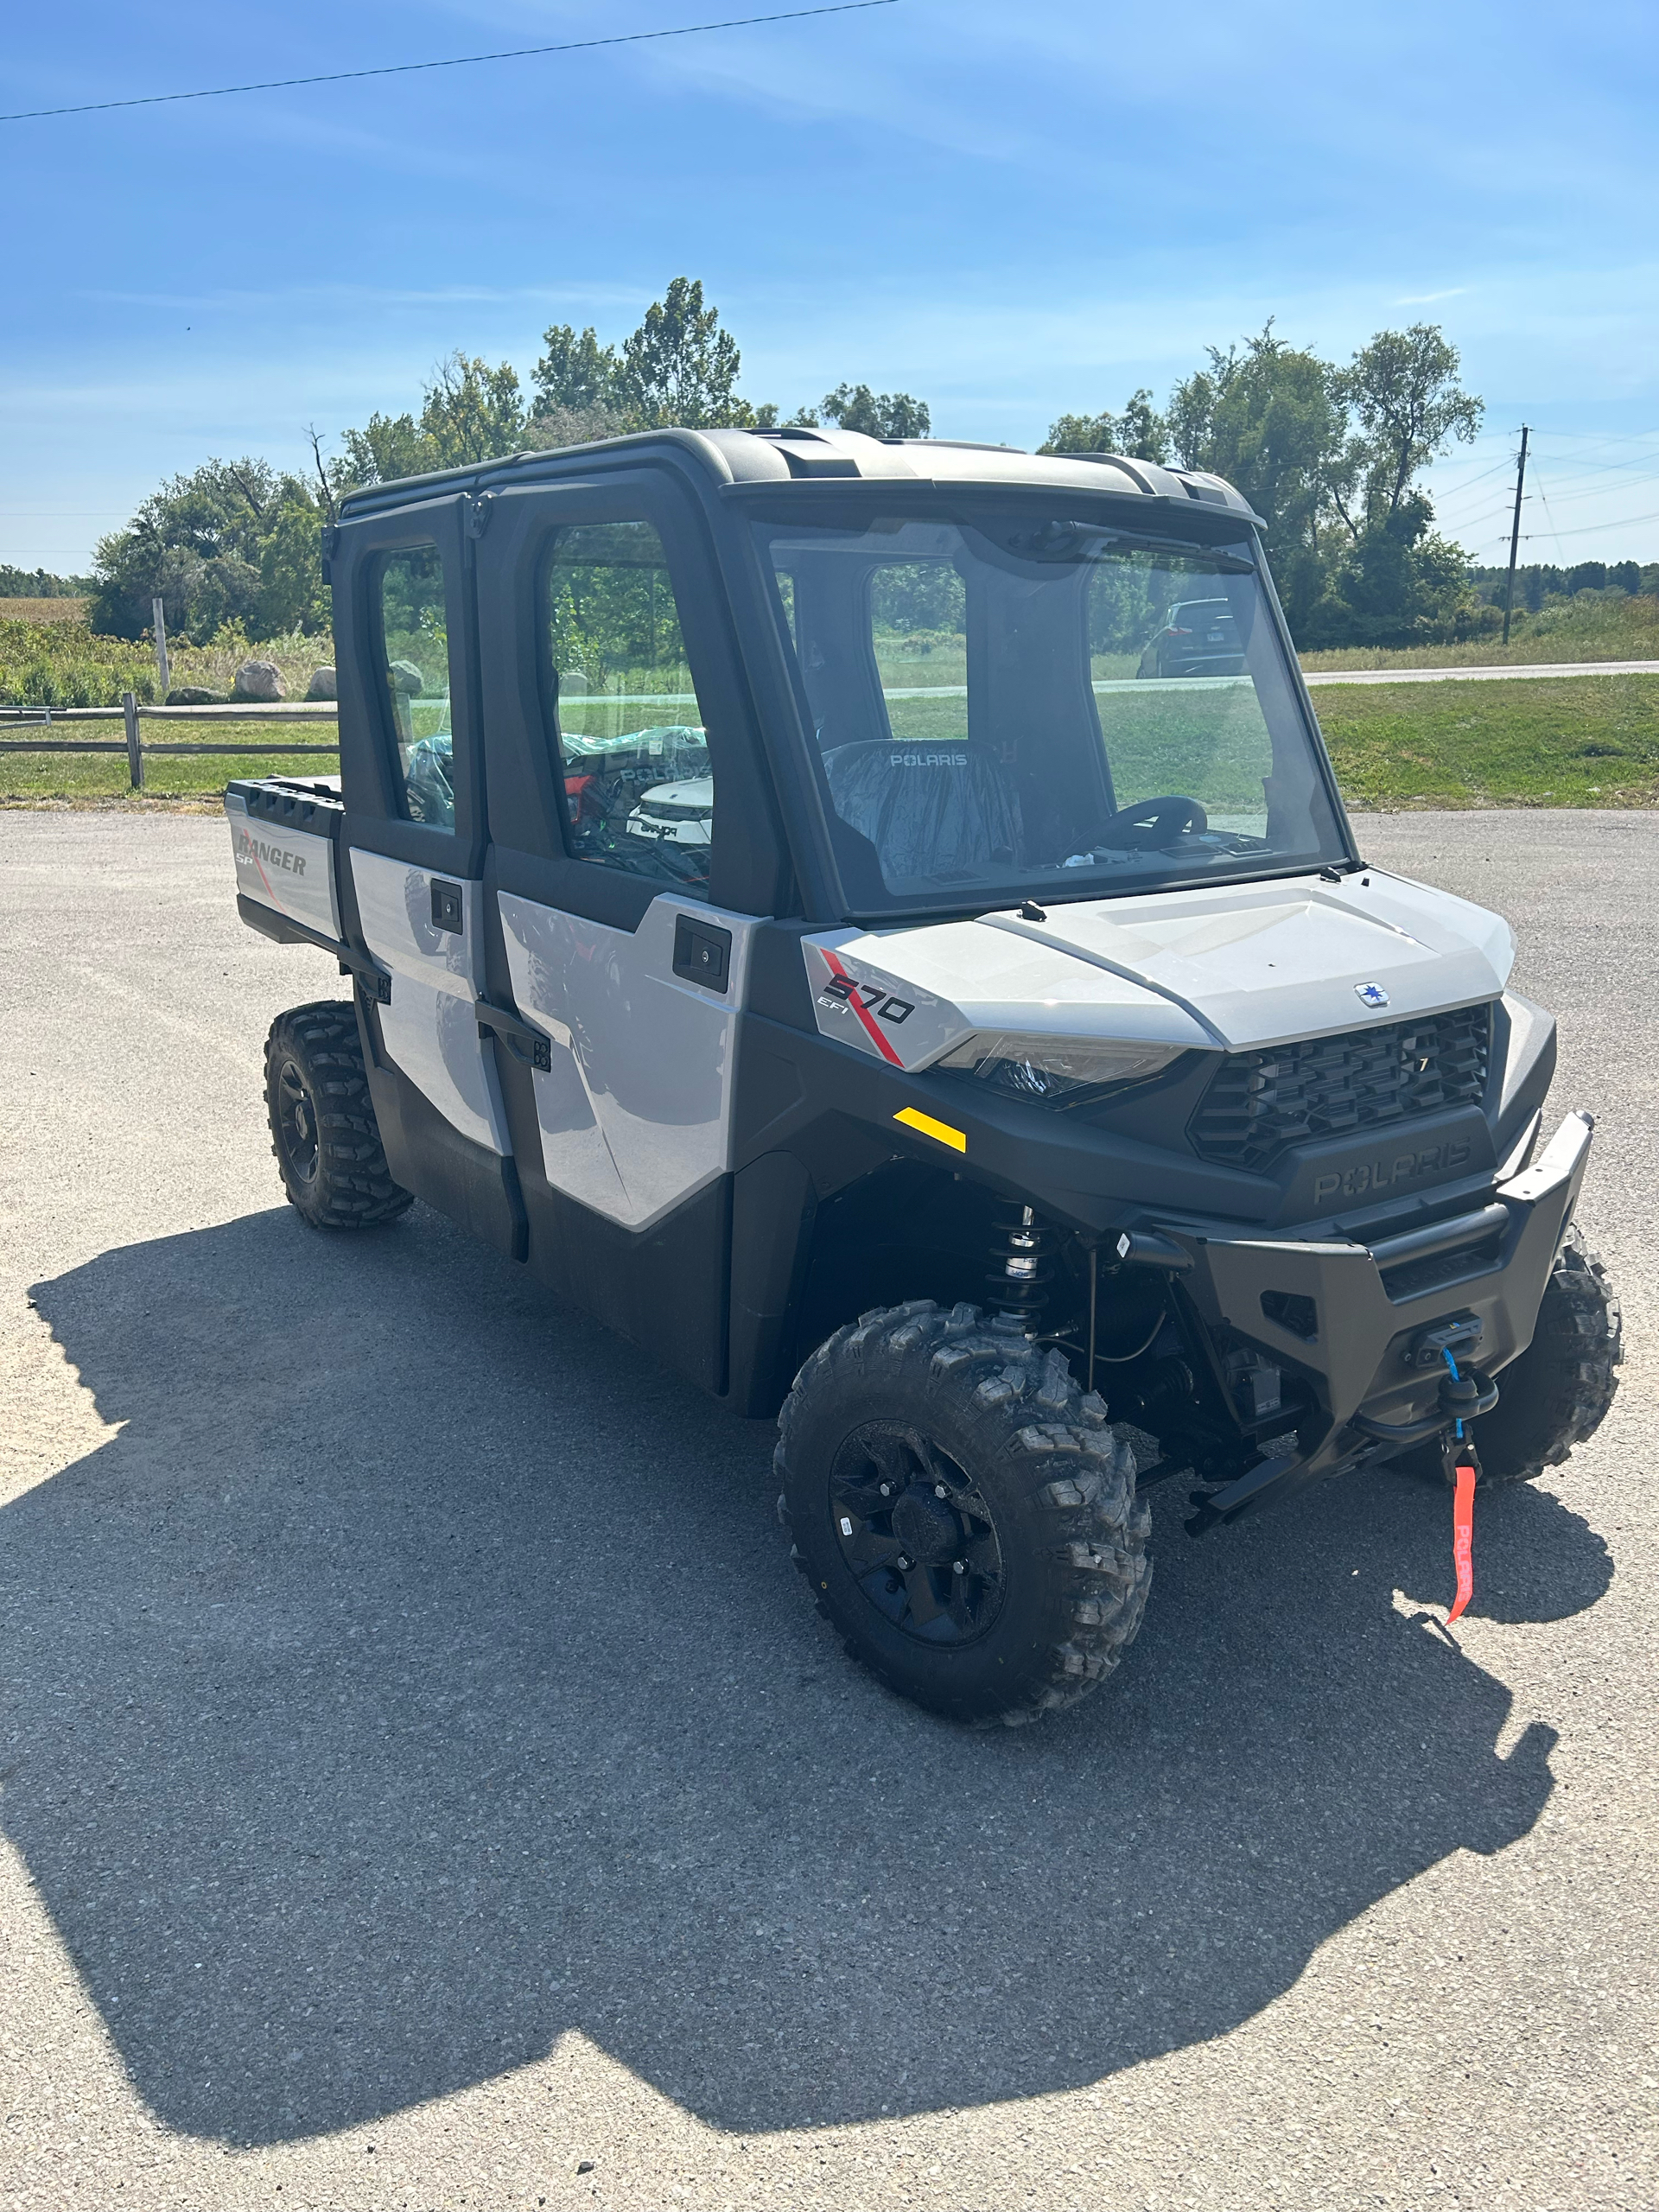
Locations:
{"points": [[1198, 638]]}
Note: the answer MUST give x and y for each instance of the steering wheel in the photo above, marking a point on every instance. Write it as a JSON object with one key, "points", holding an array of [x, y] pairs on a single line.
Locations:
{"points": [[1153, 824]]}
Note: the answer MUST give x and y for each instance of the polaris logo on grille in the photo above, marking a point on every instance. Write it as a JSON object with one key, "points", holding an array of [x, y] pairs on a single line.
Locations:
{"points": [[1382, 1174], [1371, 993]]}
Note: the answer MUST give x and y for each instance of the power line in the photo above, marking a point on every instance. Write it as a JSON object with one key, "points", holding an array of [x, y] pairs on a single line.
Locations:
{"points": [[1625, 522], [1470, 482], [1604, 437], [1473, 522], [1601, 490], [1610, 468], [455, 61]]}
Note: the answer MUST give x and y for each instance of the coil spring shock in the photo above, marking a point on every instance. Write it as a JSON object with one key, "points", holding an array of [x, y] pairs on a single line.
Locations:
{"points": [[1023, 1250]]}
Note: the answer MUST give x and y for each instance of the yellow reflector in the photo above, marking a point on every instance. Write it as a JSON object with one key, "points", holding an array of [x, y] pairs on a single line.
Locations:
{"points": [[914, 1118]]}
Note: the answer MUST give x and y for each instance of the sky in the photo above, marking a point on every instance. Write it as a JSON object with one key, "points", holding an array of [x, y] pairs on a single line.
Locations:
{"points": [[1009, 210]]}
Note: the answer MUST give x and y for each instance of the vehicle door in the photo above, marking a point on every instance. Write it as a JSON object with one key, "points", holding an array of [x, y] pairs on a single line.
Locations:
{"points": [[414, 833], [634, 850]]}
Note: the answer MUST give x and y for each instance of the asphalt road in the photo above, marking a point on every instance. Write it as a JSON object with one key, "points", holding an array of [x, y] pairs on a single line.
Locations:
{"points": [[420, 1776], [1507, 673]]}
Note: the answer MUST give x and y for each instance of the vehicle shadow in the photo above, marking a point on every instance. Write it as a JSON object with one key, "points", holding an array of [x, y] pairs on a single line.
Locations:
{"points": [[418, 1673]]}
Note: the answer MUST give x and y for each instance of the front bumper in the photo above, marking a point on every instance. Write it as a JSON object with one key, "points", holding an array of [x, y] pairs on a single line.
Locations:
{"points": [[1350, 1320]]}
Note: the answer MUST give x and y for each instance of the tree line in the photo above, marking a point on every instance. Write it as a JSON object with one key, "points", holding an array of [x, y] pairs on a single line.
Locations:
{"points": [[236, 542], [1330, 454], [1536, 582], [39, 583]]}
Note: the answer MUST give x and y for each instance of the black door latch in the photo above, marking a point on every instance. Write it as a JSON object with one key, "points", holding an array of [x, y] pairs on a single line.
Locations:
{"points": [[702, 953], [446, 907], [524, 1043]]}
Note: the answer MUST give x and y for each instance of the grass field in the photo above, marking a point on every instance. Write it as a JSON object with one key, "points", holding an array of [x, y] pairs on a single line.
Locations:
{"points": [[1575, 741], [44, 610], [1589, 740], [31, 777]]}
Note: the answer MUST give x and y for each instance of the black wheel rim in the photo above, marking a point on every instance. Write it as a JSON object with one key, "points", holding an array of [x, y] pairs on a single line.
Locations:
{"points": [[916, 1534], [297, 1123]]}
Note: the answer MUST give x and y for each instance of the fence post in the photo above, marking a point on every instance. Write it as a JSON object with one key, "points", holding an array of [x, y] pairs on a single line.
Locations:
{"points": [[158, 618], [135, 743]]}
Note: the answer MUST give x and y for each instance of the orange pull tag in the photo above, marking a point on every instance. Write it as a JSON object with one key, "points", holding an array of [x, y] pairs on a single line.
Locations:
{"points": [[1463, 1539]]}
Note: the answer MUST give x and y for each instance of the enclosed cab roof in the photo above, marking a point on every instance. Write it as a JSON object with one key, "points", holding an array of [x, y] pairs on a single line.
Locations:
{"points": [[761, 458]]}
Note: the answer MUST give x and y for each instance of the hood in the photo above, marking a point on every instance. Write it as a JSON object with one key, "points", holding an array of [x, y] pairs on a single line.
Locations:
{"points": [[1228, 968], [699, 794]]}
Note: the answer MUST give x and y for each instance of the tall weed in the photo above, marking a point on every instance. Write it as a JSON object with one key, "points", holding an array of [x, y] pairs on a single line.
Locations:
{"points": [[57, 663]]}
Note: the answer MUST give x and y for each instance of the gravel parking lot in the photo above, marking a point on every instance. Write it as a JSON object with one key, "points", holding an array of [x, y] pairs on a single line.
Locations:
{"points": [[422, 1782]]}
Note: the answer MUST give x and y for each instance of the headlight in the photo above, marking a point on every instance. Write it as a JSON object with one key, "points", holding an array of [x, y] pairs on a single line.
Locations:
{"points": [[1056, 1068]]}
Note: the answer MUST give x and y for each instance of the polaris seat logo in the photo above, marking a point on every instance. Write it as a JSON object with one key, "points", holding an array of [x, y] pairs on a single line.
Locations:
{"points": [[1383, 1174], [252, 852]]}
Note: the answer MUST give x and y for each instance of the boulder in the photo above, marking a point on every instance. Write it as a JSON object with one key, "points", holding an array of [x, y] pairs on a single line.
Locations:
{"points": [[258, 679], [321, 685], [405, 676], [192, 694]]}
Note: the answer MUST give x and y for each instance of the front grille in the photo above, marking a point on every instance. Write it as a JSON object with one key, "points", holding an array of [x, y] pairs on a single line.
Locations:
{"points": [[1259, 1104]]}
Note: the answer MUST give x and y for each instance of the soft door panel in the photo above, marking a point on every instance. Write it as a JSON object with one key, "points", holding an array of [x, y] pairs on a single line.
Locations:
{"points": [[430, 1028], [635, 1117]]}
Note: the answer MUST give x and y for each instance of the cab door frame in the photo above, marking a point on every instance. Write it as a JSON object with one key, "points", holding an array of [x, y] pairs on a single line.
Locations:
{"points": [[654, 1265], [446, 1137]]}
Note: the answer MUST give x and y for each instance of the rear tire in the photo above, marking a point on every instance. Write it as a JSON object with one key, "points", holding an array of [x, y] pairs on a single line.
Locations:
{"points": [[322, 1126], [1558, 1392], [1004, 1572]]}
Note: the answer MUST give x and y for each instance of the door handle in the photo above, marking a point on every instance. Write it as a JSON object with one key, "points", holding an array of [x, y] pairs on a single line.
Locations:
{"points": [[530, 1046]]}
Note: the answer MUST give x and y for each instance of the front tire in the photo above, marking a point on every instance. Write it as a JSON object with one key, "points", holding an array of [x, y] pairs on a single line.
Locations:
{"points": [[322, 1126], [964, 1515]]}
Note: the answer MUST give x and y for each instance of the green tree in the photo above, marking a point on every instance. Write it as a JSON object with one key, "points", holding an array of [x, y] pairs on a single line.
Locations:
{"points": [[1403, 390], [199, 543], [1270, 419], [1395, 580], [291, 594], [387, 448], [576, 374], [878, 414], [1329, 457], [1140, 433], [472, 412], [680, 368]]}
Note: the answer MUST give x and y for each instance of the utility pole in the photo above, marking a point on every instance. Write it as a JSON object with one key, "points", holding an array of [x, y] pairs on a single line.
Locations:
{"points": [[1515, 535], [159, 619]]}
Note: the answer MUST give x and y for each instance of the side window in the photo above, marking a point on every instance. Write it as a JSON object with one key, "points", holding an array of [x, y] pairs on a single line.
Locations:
{"points": [[622, 711], [414, 649]]}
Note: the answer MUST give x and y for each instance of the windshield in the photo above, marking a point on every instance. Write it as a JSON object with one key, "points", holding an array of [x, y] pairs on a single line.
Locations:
{"points": [[1008, 705]]}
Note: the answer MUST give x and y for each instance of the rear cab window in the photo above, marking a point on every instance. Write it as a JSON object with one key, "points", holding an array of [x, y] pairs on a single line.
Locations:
{"points": [[412, 650]]}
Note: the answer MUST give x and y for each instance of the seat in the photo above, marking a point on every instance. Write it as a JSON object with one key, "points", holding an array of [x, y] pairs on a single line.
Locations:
{"points": [[943, 809]]}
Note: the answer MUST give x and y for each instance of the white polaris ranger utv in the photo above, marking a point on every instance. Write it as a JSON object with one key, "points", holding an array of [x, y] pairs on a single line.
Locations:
{"points": [[797, 908]]}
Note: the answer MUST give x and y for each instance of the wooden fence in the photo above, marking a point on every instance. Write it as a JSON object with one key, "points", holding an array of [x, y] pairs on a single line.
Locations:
{"points": [[133, 717]]}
